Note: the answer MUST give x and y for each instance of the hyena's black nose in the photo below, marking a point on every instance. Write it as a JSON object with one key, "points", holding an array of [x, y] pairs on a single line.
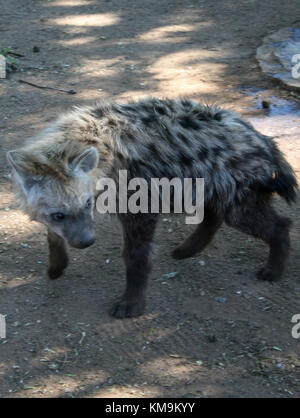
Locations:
{"points": [[87, 240]]}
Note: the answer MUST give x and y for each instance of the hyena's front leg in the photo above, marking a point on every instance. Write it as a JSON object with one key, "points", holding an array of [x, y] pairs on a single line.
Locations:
{"points": [[138, 233], [58, 256]]}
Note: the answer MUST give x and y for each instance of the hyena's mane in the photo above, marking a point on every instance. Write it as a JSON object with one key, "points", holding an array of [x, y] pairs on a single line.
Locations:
{"points": [[52, 151]]}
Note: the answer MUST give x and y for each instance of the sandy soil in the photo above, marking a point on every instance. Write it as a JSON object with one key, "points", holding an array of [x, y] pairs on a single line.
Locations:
{"points": [[211, 331]]}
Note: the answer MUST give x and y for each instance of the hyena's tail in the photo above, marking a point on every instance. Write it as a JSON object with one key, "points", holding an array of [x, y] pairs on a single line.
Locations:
{"points": [[283, 180]]}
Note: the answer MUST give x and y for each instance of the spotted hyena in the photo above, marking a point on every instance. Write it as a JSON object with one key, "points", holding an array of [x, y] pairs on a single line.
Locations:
{"points": [[55, 175]]}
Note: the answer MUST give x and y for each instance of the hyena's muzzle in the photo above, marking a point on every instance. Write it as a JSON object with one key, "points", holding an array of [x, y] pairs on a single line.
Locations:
{"points": [[78, 230]]}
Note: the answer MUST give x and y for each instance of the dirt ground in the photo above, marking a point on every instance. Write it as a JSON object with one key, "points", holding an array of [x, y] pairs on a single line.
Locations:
{"points": [[213, 330]]}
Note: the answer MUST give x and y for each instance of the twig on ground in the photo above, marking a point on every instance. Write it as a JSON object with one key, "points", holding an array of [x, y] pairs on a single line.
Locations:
{"points": [[48, 87], [15, 54]]}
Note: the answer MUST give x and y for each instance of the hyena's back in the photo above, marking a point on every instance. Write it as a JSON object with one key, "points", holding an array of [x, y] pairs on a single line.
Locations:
{"points": [[181, 138]]}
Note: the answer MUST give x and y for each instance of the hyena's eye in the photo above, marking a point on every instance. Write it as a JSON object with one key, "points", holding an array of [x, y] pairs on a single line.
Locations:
{"points": [[88, 203], [57, 217]]}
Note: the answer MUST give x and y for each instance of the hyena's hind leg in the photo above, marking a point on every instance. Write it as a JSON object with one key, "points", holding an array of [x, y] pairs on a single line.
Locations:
{"points": [[58, 256], [138, 231], [257, 217], [201, 237]]}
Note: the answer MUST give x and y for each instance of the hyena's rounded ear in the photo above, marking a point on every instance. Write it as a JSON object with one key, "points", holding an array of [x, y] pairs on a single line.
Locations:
{"points": [[87, 160], [22, 175]]}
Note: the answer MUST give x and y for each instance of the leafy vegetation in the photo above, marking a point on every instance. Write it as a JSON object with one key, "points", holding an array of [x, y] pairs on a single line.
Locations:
{"points": [[12, 63]]}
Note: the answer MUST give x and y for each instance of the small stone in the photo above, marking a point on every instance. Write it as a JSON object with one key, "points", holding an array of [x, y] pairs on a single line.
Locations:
{"points": [[53, 366], [170, 275], [280, 366], [24, 245], [220, 299]]}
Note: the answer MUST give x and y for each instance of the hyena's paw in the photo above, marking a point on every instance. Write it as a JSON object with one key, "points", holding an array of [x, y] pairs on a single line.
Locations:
{"points": [[55, 270], [126, 309], [268, 275]]}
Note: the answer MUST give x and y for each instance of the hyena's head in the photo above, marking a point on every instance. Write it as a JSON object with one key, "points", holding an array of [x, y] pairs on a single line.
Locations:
{"points": [[57, 189]]}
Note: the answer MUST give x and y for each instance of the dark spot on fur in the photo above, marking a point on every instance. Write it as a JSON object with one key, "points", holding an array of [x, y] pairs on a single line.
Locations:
{"points": [[120, 157], [147, 120], [138, 166], [222, 138], [165, 132], [201, 115], [184, 158], [154, 150], [111, 123], [202, 154], [234, 163], [218, 116], [107, 147], [98, 112], [187, 104], [258, 154], [128, 108], [183, 138], [128, 136], [161, 110], [170, 104], [134, 167], [187, 122], [217, 151]]}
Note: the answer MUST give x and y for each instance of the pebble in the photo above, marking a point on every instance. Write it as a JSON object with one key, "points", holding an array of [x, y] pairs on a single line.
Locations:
{"points": [[170, 275], [53, 366], [280, 366], [220, 299]]}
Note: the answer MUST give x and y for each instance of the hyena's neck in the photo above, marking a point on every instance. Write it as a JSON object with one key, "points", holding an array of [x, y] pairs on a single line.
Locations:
{"points": [[118, 139]]}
